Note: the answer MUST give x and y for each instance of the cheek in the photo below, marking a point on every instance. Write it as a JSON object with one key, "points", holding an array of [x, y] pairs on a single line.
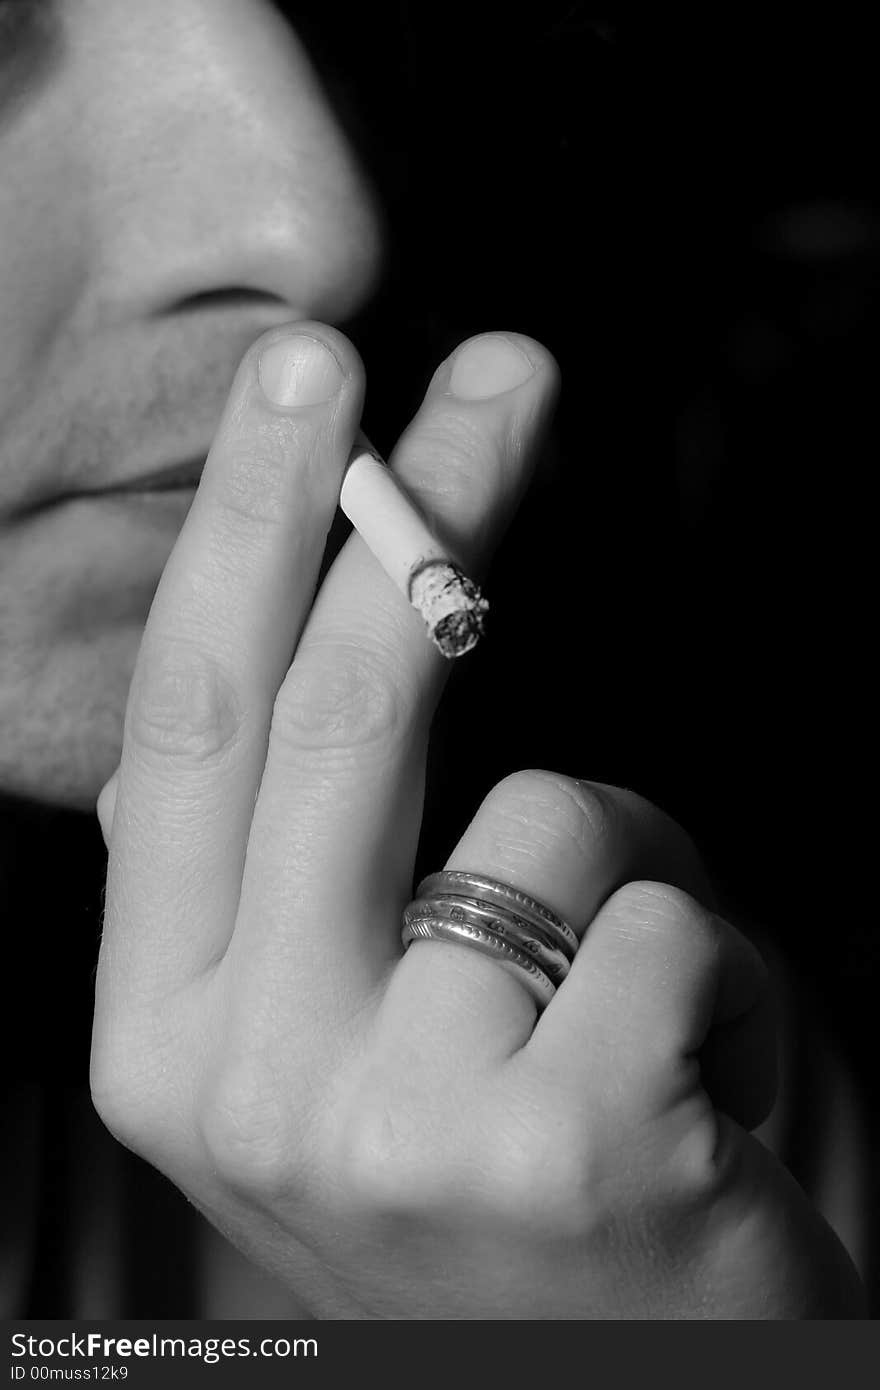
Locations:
{"points": [[43, 246]]}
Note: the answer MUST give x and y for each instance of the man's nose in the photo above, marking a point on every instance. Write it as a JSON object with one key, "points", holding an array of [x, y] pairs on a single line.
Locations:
{"points": [[218, 170]]}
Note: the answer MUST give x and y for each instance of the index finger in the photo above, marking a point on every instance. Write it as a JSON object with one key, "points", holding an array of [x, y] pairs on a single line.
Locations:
{"points": [[220, 634]]}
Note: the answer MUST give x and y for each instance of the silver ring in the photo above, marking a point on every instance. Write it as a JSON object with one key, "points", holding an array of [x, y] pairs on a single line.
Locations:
{"points": [[516, 962], [524, 935], [480, 887]]}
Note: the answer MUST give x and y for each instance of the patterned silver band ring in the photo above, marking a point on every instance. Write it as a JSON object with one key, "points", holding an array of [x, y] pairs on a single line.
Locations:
{"points": [[516, 962], [524, 935], [491, 890]]}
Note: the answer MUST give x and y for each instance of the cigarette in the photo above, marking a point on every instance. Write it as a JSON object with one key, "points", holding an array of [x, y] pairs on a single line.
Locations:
{"points": [[420, 565]]}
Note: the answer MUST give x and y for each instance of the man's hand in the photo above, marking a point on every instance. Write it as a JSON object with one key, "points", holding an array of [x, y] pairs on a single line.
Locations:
{"points": [[398, 1137]]}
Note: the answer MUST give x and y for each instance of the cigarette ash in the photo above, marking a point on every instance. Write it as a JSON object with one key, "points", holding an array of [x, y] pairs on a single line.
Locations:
{"points": [[451, 604]]}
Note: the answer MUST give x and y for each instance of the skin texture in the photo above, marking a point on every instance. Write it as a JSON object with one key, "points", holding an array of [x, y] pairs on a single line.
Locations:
{"points": [[203, 192], [398, 1138], [391, 1137]]}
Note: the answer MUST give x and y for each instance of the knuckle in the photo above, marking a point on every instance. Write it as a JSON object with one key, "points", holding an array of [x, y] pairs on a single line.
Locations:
{"points": [[338, 697], [549, 1175], [390, 1162], [182, 705], [125, 1099], [115, 1110], [246, 1133], [110, 1098], [378, 1178]]}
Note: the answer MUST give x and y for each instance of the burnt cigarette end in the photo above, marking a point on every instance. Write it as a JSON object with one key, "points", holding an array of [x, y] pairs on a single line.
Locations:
{"points": [[458, 632], [451, 604]]}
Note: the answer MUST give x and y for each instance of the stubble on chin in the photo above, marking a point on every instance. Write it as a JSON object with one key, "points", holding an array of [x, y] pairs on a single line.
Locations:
{"points": [[62, 711]]}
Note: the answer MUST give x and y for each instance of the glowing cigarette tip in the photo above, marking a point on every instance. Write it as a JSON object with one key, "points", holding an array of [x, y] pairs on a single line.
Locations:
{"points": [[451, 605]]}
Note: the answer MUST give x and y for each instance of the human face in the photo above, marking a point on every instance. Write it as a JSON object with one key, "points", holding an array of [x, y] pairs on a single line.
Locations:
{"points": [[172, 182]]}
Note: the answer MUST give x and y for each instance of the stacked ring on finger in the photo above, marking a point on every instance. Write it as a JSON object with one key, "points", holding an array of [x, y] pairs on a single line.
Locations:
{"points": [[499, 921], [482, 888]]}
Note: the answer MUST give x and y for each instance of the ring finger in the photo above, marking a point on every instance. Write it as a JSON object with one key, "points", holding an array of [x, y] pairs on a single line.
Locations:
{"points": [[566, 843]]}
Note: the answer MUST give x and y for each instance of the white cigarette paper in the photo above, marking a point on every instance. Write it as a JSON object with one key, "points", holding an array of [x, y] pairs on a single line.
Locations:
{"points": [[388, 520]]}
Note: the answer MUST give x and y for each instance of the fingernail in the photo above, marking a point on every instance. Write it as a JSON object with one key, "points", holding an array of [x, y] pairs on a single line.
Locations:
{"points": [[488, 366], [299, 371]]}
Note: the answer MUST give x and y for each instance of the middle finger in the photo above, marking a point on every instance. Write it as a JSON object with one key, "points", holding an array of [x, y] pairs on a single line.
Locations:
{"points": [[337, 819]]}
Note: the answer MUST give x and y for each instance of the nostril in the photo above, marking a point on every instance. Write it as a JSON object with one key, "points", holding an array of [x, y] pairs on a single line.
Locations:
{"points": [[233, 297]]}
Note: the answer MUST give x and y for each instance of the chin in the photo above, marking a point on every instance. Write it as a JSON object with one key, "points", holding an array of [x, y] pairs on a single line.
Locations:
{"points": [[61, 721]]}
